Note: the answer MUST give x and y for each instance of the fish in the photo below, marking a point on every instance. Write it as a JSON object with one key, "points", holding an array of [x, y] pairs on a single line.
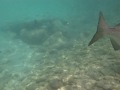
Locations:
{"points": [[113, 33]]}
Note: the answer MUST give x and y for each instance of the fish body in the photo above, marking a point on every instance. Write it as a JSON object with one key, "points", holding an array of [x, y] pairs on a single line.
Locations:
{"points": [[103, 30]]}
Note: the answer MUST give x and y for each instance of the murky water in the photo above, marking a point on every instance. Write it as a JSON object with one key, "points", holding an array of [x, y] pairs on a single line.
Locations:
{"points": [[44, 45]]}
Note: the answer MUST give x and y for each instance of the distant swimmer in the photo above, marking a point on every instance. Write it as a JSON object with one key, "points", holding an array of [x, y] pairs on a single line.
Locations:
{"points": [[103, 30]]}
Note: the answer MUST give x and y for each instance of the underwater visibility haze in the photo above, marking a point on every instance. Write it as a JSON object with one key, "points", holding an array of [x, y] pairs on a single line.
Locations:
{"points": [[51, 45]]}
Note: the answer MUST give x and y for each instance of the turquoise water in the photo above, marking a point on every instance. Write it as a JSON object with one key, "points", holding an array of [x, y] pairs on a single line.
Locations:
{"points": [[44, 45]]}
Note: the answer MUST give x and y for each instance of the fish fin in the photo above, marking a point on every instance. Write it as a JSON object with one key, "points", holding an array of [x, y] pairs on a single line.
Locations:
{"points": [[115, 45], [101, 29], [118, 24]]}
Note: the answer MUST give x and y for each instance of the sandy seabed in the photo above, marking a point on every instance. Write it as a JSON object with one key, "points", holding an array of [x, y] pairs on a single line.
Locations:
{"points": [[60, 65]]}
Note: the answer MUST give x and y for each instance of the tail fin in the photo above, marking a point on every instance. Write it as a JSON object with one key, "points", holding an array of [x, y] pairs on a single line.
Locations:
{"points": [[101, 29], [114, 43]]}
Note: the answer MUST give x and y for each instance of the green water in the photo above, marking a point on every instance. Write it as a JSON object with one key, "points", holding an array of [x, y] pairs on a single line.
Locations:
{"points": [[44, 45]]}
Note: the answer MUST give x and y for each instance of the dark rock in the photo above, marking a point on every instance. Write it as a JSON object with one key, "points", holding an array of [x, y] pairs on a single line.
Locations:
{"points": [[55, 83], [31, 87], [104, 85], [70, 87]]}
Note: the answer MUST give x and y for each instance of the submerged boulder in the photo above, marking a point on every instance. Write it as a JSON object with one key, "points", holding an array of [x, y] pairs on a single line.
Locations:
{"points": [[55, 84], [37, 31], [34, 36]]}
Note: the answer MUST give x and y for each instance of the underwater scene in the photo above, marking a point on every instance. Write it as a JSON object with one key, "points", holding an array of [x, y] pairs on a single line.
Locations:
{"points": [[59, 45]]}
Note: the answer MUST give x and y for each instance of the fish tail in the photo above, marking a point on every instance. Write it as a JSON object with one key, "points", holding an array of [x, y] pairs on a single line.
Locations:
{"points": [[114, 43], [101, 29]]}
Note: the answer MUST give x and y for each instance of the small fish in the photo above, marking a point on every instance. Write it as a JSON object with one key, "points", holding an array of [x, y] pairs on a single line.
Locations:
{"points": [[103, 30]]}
